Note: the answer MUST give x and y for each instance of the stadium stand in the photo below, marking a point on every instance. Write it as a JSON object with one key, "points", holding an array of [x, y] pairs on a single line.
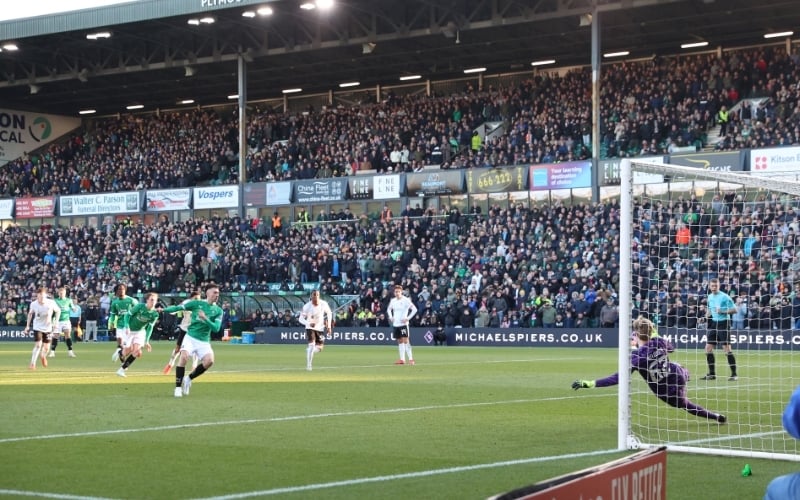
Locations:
{"points": [[672, 102], [553, 266]]}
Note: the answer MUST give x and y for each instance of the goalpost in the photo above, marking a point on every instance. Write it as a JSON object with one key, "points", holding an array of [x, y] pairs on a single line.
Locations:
{"points": [[744, 230]]}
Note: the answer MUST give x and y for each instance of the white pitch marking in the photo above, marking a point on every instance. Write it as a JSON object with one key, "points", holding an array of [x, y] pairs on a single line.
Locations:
{"points": [[48, 495], [408, 475], [283, 419]]}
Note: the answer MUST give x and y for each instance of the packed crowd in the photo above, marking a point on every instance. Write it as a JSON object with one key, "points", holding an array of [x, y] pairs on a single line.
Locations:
{"points": [[750, 246], [646, 108], [540, 266]]}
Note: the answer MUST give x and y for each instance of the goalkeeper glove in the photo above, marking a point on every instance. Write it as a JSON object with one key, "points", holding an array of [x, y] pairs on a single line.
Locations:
{"points": [[583, 384]]}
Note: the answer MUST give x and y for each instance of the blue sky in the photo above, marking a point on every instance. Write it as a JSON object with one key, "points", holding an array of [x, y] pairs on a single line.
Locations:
{"points": [[22, 9]]}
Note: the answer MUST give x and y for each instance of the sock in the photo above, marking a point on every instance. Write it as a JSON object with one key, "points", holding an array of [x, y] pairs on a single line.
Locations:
{"points": [[37, 348], [710, 360], [402, 349], [408, 352], [309, 353], [197, 371], [69, 344], [732, 363], [180, 371], [128, 361], [54, 344]]}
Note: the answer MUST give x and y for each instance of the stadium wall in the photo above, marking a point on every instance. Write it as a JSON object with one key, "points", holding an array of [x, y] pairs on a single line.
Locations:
{"points": [[781, 340]]}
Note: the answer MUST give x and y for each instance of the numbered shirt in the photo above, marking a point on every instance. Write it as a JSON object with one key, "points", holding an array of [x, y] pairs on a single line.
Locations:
{"points": [[652, 362], [43, 314], [401, 309]]}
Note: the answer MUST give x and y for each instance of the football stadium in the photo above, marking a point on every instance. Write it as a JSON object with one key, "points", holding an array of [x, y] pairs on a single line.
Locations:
{"points": [[424, 249]]}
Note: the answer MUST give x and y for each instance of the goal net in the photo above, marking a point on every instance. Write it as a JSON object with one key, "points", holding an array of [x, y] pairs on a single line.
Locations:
{"points": [[681, 228]]}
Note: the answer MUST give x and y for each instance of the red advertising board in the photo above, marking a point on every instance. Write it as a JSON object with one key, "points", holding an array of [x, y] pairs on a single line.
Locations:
{"points": [[31, 208], [642, 476]]}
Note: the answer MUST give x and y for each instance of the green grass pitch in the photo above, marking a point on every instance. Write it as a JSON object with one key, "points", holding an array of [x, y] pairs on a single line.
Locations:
{"points": [[462, 423]]}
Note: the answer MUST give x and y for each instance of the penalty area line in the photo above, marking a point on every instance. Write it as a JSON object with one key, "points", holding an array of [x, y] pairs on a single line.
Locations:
{"points": [[286, 418], [408, 475], [39, 494]]}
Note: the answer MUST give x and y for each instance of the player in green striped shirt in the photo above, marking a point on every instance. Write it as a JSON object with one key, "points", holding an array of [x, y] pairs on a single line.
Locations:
{"points": [[118, 317], [206, 319], [141, 321]]}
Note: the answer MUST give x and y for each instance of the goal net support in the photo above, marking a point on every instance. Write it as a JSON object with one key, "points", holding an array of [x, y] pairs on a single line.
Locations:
{"points": [[681, 228]]}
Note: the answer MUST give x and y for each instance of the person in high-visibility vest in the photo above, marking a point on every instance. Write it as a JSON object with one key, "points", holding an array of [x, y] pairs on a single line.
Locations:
{"points": [[722, 119], [386, 214], [276, 224], [303, 217], [476, 142]]}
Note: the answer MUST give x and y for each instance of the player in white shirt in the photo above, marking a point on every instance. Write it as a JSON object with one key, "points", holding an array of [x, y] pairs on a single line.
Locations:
{"points": [[400, 312], [317, 317], [44, 313]]}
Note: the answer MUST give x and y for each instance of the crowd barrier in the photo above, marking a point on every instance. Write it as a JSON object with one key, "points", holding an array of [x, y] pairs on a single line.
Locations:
{"points": [[531, 337], [682, 338]]}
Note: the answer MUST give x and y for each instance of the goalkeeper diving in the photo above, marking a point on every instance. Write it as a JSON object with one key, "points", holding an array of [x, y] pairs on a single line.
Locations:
{"points": [[665, 378]]}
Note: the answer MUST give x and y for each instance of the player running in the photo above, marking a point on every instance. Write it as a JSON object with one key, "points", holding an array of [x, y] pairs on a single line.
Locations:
{"points": [[142, 319], [317, 317], [44, 313], [118, 317]]}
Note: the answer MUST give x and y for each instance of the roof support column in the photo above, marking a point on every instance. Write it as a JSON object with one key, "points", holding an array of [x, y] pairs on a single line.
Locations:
{"points": [[596, 175], [242, 82]]}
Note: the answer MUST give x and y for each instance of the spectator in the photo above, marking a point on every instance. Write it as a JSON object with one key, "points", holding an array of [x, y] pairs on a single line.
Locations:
{"points": [[609, 314], [548, 314]]}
